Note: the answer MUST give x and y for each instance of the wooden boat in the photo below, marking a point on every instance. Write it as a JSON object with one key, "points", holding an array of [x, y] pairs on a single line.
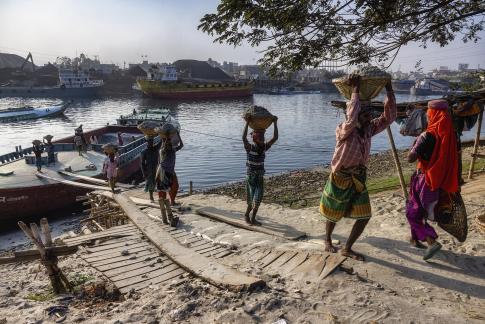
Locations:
{"points": [[18, 114], [23, 194], [157, 115]]}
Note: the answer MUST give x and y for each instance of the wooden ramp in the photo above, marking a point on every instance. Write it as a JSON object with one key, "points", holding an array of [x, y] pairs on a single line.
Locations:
{"points": [[236, 220], [299, 265], [93, 180], [193, 262]]}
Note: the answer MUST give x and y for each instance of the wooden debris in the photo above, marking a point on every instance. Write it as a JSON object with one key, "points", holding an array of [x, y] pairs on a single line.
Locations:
{"points": [[42, 241]]}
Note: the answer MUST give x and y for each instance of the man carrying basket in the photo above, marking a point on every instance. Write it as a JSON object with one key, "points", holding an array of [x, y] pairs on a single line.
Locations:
{"points": [[345, 193], [256, 153]]}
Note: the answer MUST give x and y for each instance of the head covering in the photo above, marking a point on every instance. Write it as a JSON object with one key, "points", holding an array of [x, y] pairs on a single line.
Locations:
{"points": [[438, 104], [441, 171]]}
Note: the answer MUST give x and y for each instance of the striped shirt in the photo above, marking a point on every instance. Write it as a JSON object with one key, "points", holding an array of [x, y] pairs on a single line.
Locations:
{"points": [[255, 159]]}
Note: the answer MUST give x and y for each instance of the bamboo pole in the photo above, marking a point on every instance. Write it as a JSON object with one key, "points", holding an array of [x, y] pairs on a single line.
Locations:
{"points": [[475, 147], [397, 163]]}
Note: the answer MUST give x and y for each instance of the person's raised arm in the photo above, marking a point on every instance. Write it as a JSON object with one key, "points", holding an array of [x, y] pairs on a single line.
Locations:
{"points": [[275, 133], [181, 143], [390, 112], [353, 110], [247, 146]]}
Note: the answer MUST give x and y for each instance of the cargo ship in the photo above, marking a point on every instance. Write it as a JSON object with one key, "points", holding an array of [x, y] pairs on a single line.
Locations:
{"points": [[164, 83]]}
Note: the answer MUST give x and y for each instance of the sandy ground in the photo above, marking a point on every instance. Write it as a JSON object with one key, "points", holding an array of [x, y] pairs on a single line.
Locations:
{"points": [[393, 285]]}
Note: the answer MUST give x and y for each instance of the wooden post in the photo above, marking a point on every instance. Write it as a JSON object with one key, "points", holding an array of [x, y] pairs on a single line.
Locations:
{"points": [[397, 163], [475, 147], [58, 280], [191, 187]]}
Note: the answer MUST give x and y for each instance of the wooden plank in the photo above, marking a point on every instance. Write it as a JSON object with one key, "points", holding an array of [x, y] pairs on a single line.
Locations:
{"points": [[215, 251], [141, 254], [108, 245], [117, 252], [163, 278], [270, 258], [196, 264], [73, 183], [223, 254], [150, 275], [112, 249], [333, 261], [294, 262], [282, 260], [180, 235], [114, 272], [140, 271], [263, 254], [312, 267], [105, 237], [193, 239], [200, 244], [124, 263], [211, 248], [94, 180], [31, 255], [235, 220], [118, 230]]}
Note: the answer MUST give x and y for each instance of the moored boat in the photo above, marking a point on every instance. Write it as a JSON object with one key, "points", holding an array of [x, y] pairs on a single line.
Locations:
{"points": [[23, 194], [164, 83], [24, 113], [157, 115]]}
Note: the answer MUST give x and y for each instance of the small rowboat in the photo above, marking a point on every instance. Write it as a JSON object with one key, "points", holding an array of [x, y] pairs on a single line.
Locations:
{"points": [[18, 114]]}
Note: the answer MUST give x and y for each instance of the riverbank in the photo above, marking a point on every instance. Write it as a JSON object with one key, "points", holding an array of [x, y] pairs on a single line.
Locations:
{"points": [[393, 285], [302, 188]]}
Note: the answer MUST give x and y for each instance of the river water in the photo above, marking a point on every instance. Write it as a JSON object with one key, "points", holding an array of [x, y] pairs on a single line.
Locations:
{"points": [[211, 130]]}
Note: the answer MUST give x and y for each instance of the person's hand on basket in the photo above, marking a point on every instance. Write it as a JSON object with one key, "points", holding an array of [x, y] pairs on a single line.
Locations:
{"points": [[354, 82]]}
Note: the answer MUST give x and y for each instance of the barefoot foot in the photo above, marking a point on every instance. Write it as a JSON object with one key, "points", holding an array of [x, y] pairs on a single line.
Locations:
{"points": [[329, 247], [353, 255]]}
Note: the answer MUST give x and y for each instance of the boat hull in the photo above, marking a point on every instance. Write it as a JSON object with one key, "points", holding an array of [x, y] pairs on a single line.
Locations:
{"points": [[156, 89], [49, 92], [12, 116], [35, 201]]}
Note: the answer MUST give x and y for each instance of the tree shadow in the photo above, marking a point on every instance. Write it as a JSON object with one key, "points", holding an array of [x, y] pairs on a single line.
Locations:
{"points": [[462, 264]]}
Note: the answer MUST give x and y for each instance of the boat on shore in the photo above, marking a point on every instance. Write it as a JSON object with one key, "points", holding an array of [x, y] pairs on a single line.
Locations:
{"points": [[25, 113], [164, 83], [72, 83], [24, 194]]}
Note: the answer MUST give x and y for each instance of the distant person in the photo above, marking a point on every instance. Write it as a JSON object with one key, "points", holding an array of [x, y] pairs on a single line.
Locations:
{"points": [[49, 147], [120, 139], [437, 173], [134, 111], [256, 154], [79, 140], [345, 193], [110, 169], [38, 148], [149, 164], [167, 181]]}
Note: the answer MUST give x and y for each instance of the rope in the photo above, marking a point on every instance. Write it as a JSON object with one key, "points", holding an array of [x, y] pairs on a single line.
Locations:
{"points": [[283, 146]]}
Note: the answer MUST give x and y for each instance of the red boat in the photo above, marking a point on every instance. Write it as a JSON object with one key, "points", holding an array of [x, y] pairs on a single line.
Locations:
{"points": [[23, 194]]}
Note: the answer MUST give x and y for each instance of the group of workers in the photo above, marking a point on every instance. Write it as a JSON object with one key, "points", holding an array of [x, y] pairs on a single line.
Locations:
{"points": [[345, 193]]}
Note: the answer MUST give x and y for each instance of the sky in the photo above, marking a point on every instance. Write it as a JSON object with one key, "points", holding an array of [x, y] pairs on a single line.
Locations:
{"points": [[127, 31]]}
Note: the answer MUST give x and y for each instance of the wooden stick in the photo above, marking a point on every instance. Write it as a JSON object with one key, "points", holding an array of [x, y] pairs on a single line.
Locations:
{"points": [[191, 187], [44, 225], [397, 163], [475, 147]]}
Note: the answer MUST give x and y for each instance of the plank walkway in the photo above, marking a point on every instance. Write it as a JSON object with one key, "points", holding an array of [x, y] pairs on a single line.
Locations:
{"points": [[236, 220]]}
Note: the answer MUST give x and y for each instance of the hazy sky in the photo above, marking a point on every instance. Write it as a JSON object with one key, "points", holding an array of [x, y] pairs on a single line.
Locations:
{"points": [[165, 30]]}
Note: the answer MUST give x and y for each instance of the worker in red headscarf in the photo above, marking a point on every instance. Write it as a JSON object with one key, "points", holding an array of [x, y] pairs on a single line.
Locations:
{"points": [[436, 174]]}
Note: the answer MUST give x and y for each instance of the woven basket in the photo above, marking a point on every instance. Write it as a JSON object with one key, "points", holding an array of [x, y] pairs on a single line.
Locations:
{"points": [[458, 227], [480, 221], [166, 130], [110, 148], [370, 87], [259, 118], [148, 128]]}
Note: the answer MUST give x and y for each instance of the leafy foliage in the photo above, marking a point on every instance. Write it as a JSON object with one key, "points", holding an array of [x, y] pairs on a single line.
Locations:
{"points": [[304, 33]]}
